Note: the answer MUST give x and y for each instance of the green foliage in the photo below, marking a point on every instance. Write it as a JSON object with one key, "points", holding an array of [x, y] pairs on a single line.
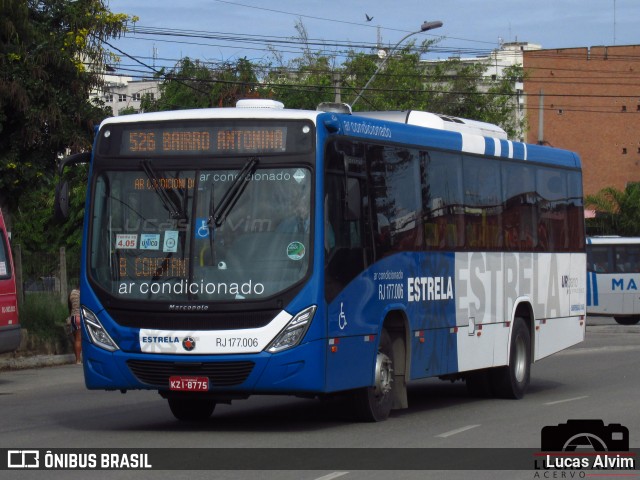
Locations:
{"points": [[399, 85], [405, 82], [192, 84], [35, 229], [42, 314], [617, 211], [127, 111], [303, 82], [45, 85]]}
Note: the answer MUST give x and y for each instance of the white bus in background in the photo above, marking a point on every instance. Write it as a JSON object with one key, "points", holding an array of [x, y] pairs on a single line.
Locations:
{"points": [[613, 278]]}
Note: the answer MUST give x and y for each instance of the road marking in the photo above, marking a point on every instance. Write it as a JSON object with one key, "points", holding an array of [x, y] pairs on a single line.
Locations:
{"points": [[332, 476], [566, 400], [582, 350], [456, 431]]}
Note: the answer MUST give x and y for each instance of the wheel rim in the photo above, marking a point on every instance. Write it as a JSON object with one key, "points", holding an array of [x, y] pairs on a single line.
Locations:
{"points": [[384, 370], [520, 360]]}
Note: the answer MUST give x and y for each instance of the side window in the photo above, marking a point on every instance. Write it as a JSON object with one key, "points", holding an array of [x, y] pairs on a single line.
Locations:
{"points": [[5, 265], [575, 213], [482, 204], [395, 175], [443, 202], [552, 209], [627, 258], [519, 224], [598, 259], [345, 204]]}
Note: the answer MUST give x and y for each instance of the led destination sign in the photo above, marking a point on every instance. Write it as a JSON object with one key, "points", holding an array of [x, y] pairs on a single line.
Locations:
{"points": [[214, 140]]}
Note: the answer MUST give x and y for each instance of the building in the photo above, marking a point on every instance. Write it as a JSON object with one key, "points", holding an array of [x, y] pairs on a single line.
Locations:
{"points": [[588, 100], [124, 93], [507, 55]]}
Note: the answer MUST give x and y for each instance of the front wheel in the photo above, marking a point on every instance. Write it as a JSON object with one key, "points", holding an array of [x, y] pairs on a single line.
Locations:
{"points": [[512, 381], [191, 409], [373, 404]]}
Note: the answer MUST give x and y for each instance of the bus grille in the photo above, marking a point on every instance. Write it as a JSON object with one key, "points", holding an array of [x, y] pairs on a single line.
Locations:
{"points": [[221, 374]]}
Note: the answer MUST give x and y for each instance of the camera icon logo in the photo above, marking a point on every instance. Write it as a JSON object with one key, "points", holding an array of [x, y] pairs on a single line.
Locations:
{"points": [[23, 459], [589, 435]]}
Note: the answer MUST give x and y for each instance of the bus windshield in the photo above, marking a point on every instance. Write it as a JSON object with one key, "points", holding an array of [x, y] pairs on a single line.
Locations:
{"points": [[153, 235]]}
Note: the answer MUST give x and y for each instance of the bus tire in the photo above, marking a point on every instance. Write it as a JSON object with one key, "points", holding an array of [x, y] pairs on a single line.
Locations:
{"points": [[627, 320], [512, 380], [373, 404], [191, 409]]}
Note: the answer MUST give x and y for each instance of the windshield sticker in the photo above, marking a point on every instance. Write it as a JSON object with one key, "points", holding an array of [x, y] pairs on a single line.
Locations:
{"points": [[150, 241], [295, 251], [126, 241], [202, 229], [170, 241], [3, 268], [299, 176]]}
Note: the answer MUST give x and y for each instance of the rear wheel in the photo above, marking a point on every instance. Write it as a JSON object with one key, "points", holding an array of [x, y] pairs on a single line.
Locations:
{"points": [[512, 381], [191, 409], [373, 404], [627, 320]]}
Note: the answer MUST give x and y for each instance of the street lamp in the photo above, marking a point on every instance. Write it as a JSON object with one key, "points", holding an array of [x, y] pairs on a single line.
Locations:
{"points": [[423, 28]]}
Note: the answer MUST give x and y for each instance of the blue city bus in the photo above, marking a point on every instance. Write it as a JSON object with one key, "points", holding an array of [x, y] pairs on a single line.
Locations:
{"points": [[229, 252]]}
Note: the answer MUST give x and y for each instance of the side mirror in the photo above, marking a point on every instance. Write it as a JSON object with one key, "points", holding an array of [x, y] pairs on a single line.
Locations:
{"points": [[61, 202]]}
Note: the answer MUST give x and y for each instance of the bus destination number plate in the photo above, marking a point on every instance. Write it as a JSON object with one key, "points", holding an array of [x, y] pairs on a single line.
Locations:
{"points": [[189, 384]]}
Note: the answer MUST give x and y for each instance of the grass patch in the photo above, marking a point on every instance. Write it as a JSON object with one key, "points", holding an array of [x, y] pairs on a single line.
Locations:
{"points": [[42, 313]]}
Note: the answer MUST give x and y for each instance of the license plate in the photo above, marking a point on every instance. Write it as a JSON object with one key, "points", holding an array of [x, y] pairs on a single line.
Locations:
{"points": [[189, 384]]}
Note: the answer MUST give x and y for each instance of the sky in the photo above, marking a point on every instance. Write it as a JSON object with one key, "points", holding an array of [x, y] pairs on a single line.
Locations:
{"points": [[230, 29]]}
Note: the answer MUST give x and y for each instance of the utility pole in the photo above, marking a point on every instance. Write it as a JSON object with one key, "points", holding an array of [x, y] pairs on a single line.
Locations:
{"points": [[337, 86]]}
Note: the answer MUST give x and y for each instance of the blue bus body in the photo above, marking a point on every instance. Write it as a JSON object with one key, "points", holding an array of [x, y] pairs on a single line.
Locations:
{"points": [[453, 310]]}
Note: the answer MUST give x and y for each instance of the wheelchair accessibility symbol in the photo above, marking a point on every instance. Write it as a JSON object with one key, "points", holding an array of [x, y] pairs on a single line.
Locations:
{"points": [[342, 318], [202, 229]]}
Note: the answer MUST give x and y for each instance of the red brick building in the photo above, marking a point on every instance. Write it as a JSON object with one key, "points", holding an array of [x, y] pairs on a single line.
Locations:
{"points": [[590, 104]]}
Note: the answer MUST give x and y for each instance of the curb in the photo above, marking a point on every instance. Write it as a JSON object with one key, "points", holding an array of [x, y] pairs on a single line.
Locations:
{"points": [[36, 361]]}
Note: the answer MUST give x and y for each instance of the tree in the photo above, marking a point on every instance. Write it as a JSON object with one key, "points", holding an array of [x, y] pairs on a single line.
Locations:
{"points": [[192, 84], [450, 87], [398, 86], [50, 54], [303, 82], [617, 211]]}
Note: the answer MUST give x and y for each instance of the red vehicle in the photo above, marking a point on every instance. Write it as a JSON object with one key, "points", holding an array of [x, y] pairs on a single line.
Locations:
{"points": [[9, 323]]}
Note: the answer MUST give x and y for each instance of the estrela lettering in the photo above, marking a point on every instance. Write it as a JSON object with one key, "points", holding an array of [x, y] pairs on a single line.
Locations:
{"points": [[160, 340], [427, 289]]}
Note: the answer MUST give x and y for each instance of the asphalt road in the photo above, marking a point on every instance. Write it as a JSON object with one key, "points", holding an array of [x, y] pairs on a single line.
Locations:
{"points": [[598, 379]]}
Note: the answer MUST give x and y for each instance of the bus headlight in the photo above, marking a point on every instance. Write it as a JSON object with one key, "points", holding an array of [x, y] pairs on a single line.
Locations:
{"points": [[293, 333], [97, 334]]}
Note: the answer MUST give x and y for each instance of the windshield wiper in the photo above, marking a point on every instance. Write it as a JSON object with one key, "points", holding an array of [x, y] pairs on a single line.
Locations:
{"points": [[233, 193], [174, 211]]}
